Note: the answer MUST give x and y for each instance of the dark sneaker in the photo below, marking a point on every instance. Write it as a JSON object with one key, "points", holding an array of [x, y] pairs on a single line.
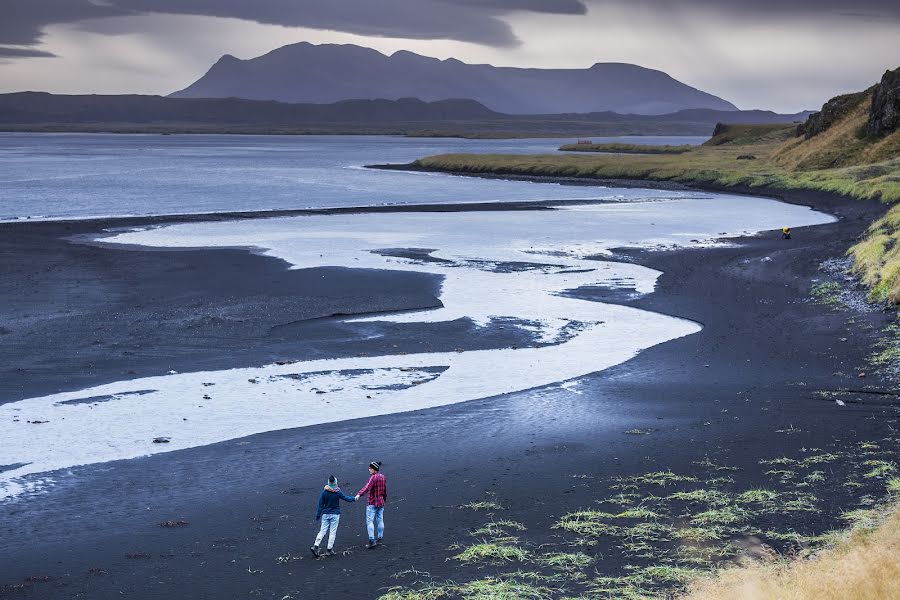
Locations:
{"points": [[378, 542], [315, 551], [371, 544], [329, 552]]}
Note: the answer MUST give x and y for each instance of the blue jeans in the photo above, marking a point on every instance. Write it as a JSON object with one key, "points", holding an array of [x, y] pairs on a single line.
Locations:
{"points": [[329, 522], [375, 519]]}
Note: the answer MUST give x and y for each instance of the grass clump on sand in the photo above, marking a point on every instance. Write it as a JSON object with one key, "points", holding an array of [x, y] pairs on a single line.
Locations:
{"points": [[498, 588], [588, 523], [567, 561], [863, 565], [827, 292], [489, 588], [765, 498], [498, 528], [483, 505], [618, 148], [497, 550]]}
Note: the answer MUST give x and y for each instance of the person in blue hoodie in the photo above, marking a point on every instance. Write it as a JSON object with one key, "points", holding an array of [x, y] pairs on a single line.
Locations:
{"points": [[329, 510]]}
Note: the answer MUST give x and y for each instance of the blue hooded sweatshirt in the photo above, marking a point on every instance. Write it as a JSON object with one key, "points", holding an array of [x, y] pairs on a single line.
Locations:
{"points": [[330, 501]]}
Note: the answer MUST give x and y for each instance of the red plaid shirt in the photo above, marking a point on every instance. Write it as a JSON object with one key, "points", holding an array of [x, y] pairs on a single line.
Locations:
{"points": [[377, 489]]}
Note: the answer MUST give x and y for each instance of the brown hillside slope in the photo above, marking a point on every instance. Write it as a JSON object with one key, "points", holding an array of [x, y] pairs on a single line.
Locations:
{"points": [[865, 565]]}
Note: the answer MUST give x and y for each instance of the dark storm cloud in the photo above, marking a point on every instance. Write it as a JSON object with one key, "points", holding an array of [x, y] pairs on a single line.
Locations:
{"points": [[773, 10], [22, 20], [24, 53], [465, 20], [478, 21]]}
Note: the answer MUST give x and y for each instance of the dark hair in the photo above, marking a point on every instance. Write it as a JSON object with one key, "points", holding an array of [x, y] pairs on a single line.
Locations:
{"points": [[332, 480]]}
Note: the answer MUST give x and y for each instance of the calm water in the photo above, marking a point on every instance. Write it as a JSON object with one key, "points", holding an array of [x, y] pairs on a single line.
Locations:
{"points": [[83, 175]]}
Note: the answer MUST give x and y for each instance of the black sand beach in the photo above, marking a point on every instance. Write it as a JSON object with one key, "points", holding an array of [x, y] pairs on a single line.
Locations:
{"points": [[745, 388]]}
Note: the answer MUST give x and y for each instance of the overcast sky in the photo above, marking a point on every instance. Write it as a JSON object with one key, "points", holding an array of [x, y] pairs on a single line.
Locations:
{"points": [[784, 55]]}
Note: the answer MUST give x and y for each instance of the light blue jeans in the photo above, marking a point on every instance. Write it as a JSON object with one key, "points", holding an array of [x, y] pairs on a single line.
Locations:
{"points": [[329, 526], [375, 519]]}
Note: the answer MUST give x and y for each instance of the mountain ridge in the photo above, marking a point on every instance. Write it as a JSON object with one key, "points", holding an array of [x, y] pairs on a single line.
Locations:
{"points": [[324, 73]]}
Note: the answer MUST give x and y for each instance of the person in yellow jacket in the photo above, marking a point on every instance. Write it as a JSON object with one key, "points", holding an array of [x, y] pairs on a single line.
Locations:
{"points": [[785, 233]]}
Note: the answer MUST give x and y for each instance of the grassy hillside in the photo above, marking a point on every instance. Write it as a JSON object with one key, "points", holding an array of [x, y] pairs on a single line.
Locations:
{"points": [[833, 151], [861, 566], [748, 155], [616, 148]]}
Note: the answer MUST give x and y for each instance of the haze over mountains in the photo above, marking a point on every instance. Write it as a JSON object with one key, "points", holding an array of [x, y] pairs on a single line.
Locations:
{"points": [[308, 73]]}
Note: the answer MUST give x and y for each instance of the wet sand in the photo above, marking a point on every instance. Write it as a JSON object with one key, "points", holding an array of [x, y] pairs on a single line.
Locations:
{"points": [[764, 350]]}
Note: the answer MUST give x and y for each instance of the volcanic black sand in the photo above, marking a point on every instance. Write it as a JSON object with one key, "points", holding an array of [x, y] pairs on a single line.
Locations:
{"points": [[747, 387]]}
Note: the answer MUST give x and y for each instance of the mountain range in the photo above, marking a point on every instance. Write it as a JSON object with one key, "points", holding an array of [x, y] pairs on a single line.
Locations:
{"points": [[309, 73], [40, 111]]}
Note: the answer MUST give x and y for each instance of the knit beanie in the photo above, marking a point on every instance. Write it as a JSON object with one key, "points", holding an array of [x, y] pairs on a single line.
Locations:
{"points": [[375, 464]]}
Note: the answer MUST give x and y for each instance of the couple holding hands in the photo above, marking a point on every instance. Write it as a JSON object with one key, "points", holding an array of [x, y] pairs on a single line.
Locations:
{"points": [[329, 510]]}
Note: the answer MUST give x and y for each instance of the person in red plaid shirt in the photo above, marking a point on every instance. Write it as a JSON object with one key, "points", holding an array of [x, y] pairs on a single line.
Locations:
{"points": [[377, 490]]}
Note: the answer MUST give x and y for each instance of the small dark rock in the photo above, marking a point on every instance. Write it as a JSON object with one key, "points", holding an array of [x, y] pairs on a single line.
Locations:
{"points": [[175, 523], [161, 440]]}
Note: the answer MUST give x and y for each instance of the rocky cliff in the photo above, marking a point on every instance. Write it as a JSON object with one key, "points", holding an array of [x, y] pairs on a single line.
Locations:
{"points": [[884, 115]]}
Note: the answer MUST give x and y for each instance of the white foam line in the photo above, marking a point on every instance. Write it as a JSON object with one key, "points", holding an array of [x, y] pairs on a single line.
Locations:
{"points": [[550, 248]]}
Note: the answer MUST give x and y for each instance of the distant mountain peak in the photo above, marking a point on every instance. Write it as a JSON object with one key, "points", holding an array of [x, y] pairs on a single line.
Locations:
{"points": [[323, 73]]}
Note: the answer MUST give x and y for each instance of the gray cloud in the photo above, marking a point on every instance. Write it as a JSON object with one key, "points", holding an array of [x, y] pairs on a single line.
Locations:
{"points": [[464, 20], [478, 21], [773, 10], [23, 20], [24, 53]]}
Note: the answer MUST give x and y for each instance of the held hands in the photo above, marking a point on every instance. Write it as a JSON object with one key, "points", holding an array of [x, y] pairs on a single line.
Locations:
{"points": [[357, 497]]}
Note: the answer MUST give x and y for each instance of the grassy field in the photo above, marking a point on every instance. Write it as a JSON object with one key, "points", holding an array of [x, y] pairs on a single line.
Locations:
{"points": [[863, 565], [616, 148], [842, 160], [680, 536]]}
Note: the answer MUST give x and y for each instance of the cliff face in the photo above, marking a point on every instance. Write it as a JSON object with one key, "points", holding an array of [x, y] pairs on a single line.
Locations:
{"points": [[832, 112], [884, 110], [884, 115]]}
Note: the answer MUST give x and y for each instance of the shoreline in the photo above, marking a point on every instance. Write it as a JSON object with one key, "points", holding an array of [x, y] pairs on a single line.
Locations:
{"points": [[761, 339], [815, 199]]}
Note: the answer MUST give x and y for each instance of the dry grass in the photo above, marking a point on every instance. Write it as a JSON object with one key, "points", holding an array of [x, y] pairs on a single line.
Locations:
{"points": [[865, 565], [876, 259], [618, 148]]}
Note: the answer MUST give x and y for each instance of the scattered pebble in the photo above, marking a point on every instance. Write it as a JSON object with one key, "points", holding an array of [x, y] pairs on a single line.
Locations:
{"points": [[161, 440]]}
